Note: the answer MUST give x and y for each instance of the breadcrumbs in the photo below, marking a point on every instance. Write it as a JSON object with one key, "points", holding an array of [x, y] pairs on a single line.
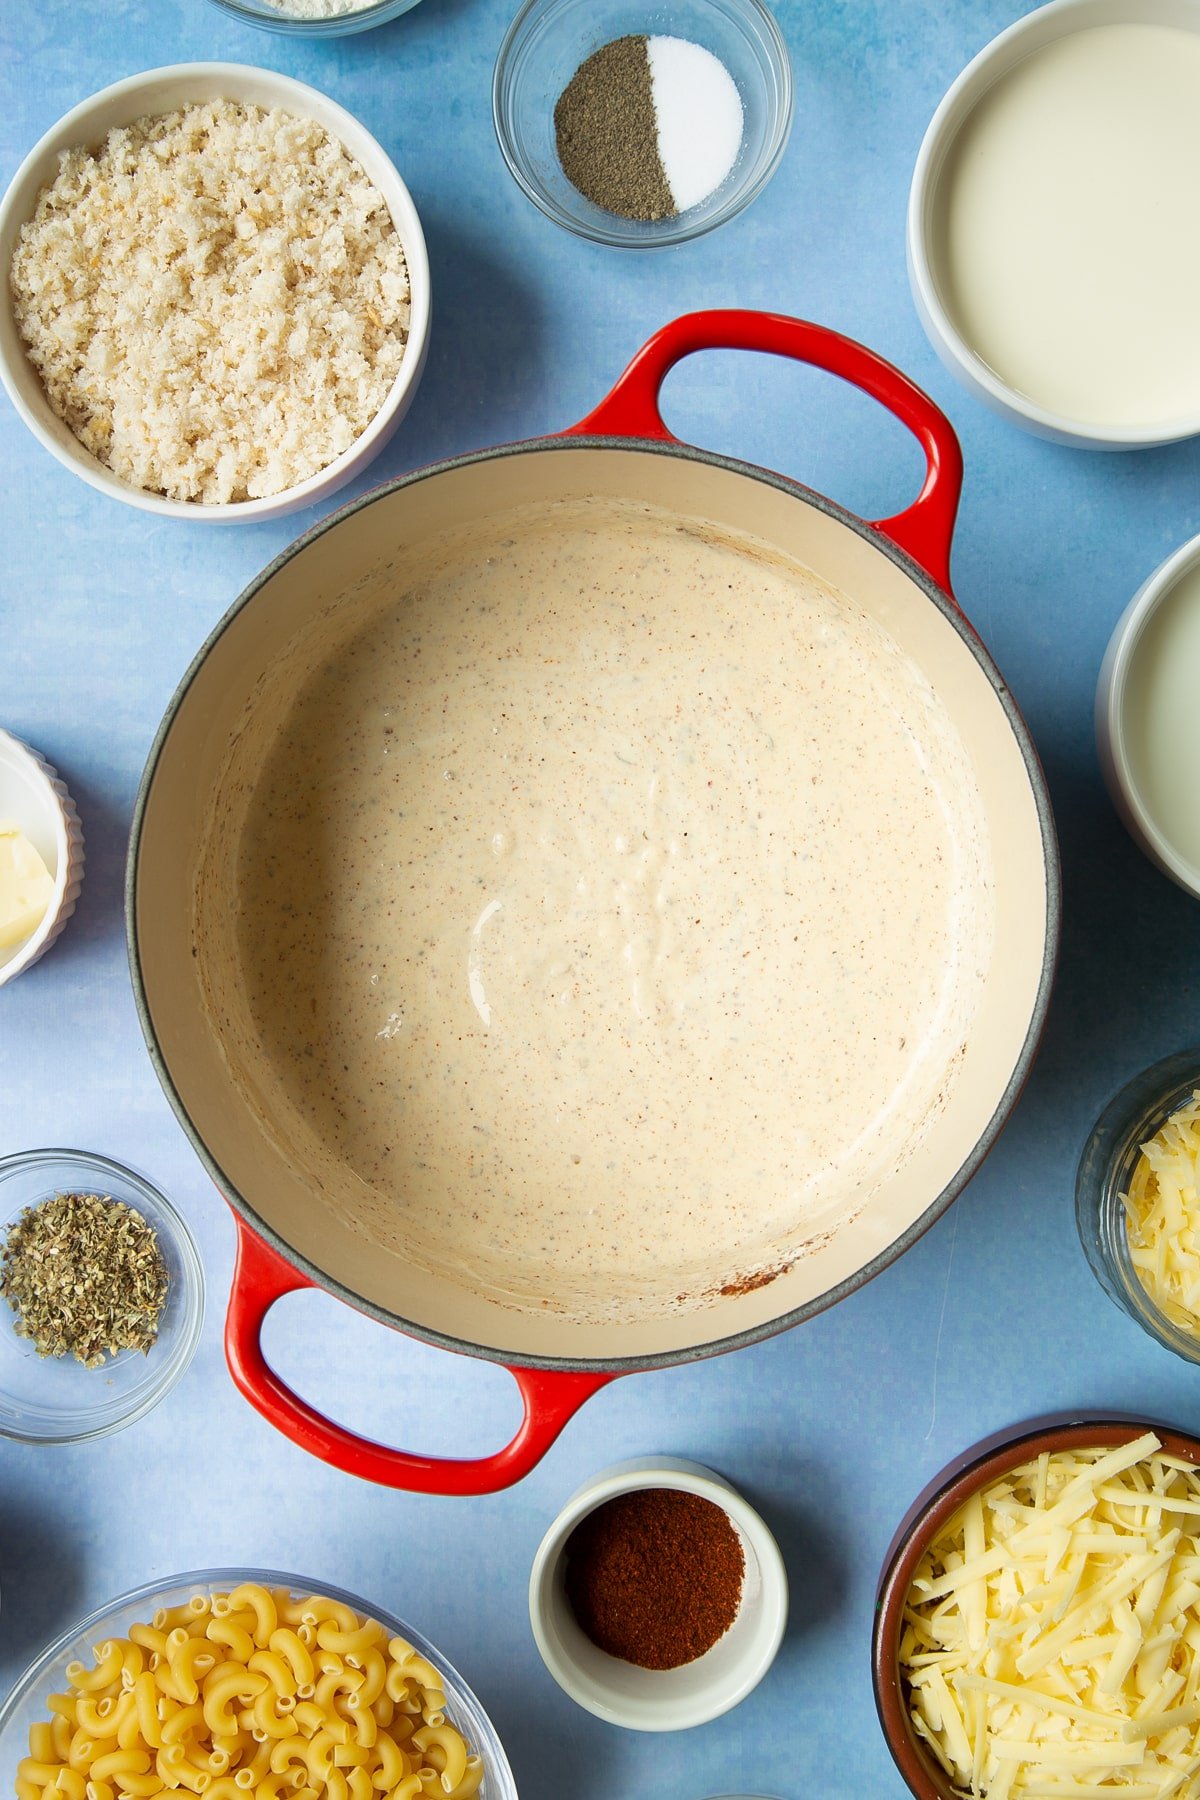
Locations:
{"points": [[216, 301]]}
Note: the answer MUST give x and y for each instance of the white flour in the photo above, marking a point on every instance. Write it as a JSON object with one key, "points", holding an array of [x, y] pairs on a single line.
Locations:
{"points": [[318, 9]]}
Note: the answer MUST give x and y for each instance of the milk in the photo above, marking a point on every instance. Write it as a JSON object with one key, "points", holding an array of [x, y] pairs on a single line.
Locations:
{"points": [[1162, 717], [1070, 230]]}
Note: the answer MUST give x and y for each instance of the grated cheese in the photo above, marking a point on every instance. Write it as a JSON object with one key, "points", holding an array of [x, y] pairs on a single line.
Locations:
{"points": [[1051, 1643], [1162, 1217]]}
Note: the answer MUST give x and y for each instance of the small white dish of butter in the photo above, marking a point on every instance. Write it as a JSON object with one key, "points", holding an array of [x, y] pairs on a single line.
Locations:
{"points": [[41, 856]]}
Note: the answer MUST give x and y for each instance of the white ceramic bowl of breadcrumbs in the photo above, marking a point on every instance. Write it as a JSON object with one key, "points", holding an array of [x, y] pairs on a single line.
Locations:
{"points": [[221, 313]]}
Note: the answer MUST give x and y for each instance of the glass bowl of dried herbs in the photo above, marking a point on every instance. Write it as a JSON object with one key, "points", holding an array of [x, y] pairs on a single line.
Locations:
{"points": [[642, 125], [101, 1296]]}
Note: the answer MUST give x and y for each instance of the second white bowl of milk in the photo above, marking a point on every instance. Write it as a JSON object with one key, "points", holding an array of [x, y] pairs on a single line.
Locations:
{"points": [[1049, 250], [1148, 719]]}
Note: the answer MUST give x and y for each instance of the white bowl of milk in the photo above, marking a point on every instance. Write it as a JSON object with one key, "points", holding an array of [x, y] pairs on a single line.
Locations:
{"points": [[1049, 246], [1148, 717]]}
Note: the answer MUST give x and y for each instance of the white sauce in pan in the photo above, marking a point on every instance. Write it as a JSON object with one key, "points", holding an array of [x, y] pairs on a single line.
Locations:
{"points": [[1071, 253], [612, 907]]}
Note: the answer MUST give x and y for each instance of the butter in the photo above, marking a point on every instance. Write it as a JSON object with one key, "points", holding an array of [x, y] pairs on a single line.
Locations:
{"points": [[26, 886]]}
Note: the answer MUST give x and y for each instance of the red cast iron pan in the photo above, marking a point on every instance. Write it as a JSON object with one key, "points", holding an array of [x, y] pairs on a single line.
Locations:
{"points": [[897, 567]]}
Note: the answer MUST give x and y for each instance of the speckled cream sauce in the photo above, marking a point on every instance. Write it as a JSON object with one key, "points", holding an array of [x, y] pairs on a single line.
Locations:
{"points": [[611, 908]]}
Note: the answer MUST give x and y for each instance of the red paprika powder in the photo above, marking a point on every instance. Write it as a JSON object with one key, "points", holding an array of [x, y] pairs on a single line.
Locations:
{"points": [[655, 1576]]}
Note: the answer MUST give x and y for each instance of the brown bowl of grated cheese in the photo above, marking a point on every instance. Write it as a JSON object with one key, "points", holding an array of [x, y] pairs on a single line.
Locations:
{"points": [[218, 296], [1035, 1623]]}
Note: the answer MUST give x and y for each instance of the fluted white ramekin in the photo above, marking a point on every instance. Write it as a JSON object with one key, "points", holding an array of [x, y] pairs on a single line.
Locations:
{"points": [[34, 797]]}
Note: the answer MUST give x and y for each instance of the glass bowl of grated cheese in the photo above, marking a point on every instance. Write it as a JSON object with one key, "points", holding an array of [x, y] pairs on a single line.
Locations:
{"points": [[1035, 1623], [1137, 1202]]}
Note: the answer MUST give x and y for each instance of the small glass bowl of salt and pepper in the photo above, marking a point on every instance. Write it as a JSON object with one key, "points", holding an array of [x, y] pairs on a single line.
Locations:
{"points": [[642, 128], [658, 1597], [140, 1284]]}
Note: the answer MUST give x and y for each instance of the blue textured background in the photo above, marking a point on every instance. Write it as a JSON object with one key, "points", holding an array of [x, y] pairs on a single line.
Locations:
{"points": [[994, 1316]]}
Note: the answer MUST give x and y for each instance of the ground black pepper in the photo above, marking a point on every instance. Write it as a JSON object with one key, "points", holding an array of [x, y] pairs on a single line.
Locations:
{"points": [[606, 132], [655, 1576]]}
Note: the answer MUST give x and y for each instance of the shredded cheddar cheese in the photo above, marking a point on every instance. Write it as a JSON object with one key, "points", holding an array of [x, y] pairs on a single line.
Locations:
{"points": [[1051, 1633], [1162, 1217]]}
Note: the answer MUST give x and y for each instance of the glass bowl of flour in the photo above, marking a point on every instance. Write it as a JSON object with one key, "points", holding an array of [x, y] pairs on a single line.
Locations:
{"points": [[315, 18]]}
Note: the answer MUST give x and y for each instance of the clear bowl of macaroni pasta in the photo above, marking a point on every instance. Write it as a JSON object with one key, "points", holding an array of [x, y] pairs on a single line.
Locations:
{"points": [[235, 1682]]}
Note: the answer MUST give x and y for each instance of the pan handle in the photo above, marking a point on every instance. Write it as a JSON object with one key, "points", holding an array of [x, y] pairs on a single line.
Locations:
{"points": [[923, 530], [550, 1397]]}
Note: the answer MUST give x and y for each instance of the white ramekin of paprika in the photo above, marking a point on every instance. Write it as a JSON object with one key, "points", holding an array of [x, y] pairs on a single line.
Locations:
{"points": [[658, 1597]]}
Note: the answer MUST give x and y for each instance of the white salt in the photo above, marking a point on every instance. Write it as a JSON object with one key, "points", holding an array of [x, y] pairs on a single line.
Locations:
{"points": [[699, 114]]}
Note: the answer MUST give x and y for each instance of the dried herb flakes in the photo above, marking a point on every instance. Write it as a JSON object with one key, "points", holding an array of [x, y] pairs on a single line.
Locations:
{"points": [[85, 1276]]}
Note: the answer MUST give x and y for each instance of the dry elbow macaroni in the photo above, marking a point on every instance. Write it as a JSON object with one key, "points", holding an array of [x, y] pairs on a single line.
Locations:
{"points": [[251, 1695]]}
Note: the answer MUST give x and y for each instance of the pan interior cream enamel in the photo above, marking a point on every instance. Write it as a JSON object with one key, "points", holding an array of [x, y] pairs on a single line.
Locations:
{"points": [[612, 901]]}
